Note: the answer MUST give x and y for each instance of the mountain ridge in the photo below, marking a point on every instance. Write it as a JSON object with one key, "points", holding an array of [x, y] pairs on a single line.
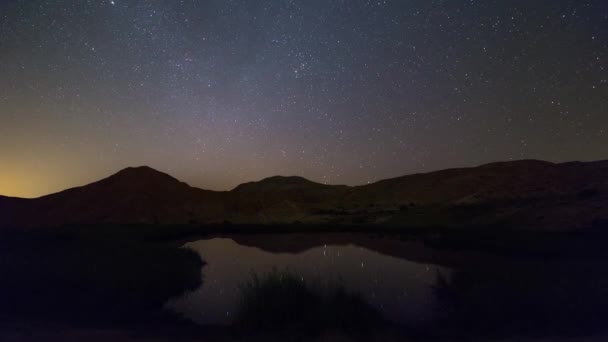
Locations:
{"points": [[527, 193], [145, 168]]}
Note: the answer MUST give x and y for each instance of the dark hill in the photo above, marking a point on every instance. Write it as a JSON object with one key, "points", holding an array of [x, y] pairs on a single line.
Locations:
{"points": [[282, 199], [496, 181], [521, 194], [278, 184], [133, 195]]}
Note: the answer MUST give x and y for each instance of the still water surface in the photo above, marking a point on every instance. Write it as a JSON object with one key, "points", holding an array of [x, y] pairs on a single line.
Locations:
{"points": [[399, 288]]}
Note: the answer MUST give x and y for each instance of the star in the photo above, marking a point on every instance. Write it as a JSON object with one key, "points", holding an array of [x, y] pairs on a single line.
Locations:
{"points": [[370, 90]]}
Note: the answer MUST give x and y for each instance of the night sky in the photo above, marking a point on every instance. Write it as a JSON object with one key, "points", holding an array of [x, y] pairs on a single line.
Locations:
{"points": [[221, 92]]}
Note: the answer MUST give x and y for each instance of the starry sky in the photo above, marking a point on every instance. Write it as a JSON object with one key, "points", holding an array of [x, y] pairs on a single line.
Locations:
{"points": [[220, 92]]}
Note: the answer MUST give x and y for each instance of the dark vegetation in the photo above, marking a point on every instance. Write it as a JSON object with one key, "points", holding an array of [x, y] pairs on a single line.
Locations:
{"points": [[282, 306], [91, 281], [525, 299]]}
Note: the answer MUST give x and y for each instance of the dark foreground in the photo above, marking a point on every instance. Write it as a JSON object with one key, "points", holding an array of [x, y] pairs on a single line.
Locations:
{"points": [[111, 283]]}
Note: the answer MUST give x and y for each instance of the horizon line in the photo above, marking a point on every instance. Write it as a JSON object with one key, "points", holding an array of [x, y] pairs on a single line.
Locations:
{"points": [[312, 181]]}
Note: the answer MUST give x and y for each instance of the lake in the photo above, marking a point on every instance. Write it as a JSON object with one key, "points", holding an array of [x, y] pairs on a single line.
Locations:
{"points": [[395, 284], [407, 282], [399, 288]]}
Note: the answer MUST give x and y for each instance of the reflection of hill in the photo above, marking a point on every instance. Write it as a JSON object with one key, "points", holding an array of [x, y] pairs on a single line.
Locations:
{"points": [[451, 249], [410, 250]]}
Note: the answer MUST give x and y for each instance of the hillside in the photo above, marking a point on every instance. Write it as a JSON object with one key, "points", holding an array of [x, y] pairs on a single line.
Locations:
{"points": [[282, 199], [521, 194], [133, 195], [526, 193]]}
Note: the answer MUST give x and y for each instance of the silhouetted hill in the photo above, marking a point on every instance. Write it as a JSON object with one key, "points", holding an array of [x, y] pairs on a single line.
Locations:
{"points": [[496, 181], [279, 183], [521, 194], [133, 195], [282, 199]]}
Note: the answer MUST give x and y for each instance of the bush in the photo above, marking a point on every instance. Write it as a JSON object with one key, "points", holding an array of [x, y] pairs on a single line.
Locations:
{"points": [[281, 300]]}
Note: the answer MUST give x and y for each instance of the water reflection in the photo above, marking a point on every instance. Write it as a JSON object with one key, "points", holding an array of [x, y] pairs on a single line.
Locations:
{"points": [[430, 292], [400, 289]]}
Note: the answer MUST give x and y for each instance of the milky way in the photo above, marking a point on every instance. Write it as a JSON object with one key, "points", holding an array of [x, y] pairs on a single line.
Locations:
{"points": [[221, 92]]}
